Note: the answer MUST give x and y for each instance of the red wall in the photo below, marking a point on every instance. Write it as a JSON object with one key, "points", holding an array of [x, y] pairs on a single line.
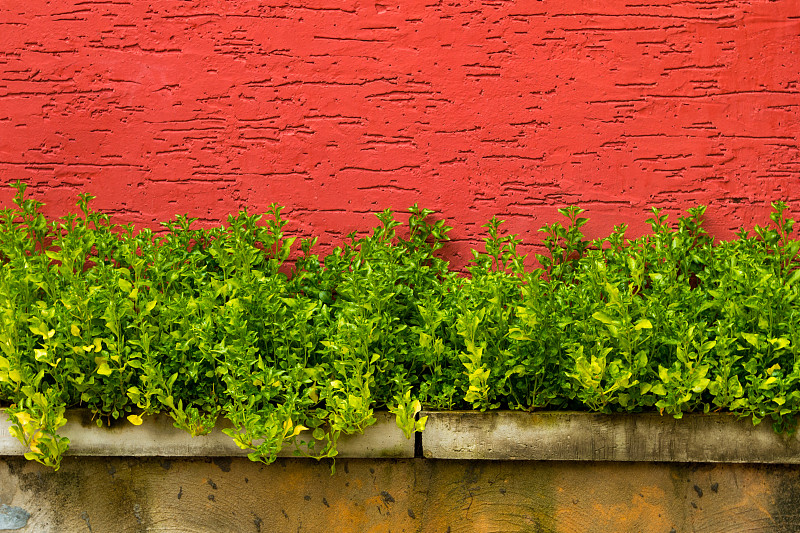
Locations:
{"points": [[337, 108]]}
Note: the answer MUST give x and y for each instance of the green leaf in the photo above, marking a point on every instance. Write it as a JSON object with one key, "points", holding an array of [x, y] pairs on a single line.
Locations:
{"points": [[518, 335], [751, 338], [103, 369], [768, 383], [603, 317], [700, 385], [169, 402], [707, 346], [124, 285]]}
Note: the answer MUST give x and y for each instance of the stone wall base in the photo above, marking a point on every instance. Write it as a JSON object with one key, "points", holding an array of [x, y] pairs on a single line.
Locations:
{"points": [[222, 494]]}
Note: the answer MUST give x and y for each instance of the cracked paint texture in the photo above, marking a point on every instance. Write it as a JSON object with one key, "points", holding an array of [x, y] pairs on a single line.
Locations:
{"points": [[339, 108]]}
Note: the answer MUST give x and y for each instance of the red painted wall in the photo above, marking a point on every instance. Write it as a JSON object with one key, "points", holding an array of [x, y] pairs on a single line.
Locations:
{"points": [[337, 108]]}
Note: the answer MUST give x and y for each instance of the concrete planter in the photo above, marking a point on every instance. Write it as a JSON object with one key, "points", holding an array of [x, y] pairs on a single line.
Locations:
{"points": [[572, 436], [157, 437], [471, 435], [501, 471]]}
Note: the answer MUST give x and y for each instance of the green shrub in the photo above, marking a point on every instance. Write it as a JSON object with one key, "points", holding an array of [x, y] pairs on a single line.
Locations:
{"points": [[202, 324]]}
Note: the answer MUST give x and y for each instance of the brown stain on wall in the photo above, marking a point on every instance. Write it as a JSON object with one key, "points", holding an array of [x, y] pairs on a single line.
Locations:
{"points": [[122, 495]]}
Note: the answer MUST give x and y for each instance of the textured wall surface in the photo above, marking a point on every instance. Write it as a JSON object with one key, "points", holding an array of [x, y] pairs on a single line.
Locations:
{"points": [[119, 495], [337, 108]]}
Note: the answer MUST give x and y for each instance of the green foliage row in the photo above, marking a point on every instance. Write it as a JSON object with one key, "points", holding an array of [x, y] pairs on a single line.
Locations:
{"points": [[202, 324]]}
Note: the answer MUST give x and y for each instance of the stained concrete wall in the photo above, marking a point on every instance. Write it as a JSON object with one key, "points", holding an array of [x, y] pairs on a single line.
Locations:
{"points": [[414, 495], [655, 474]]}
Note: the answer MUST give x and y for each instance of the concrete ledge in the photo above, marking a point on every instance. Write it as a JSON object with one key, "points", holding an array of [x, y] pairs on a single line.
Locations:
{"points": [[570, 436], [470, 435], [157, 437]]}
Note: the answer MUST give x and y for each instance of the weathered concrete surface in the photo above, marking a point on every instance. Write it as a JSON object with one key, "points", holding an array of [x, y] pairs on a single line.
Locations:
{"points": [[559, 436], [13, 517], [620, 493], [157, 436], [512, 435], [414, 495]]}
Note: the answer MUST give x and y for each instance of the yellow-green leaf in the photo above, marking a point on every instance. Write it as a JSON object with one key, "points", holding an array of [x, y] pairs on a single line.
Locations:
{"points": [[768, 382], [602, 317], [297, 429], [23, 417], [103, 369]]}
